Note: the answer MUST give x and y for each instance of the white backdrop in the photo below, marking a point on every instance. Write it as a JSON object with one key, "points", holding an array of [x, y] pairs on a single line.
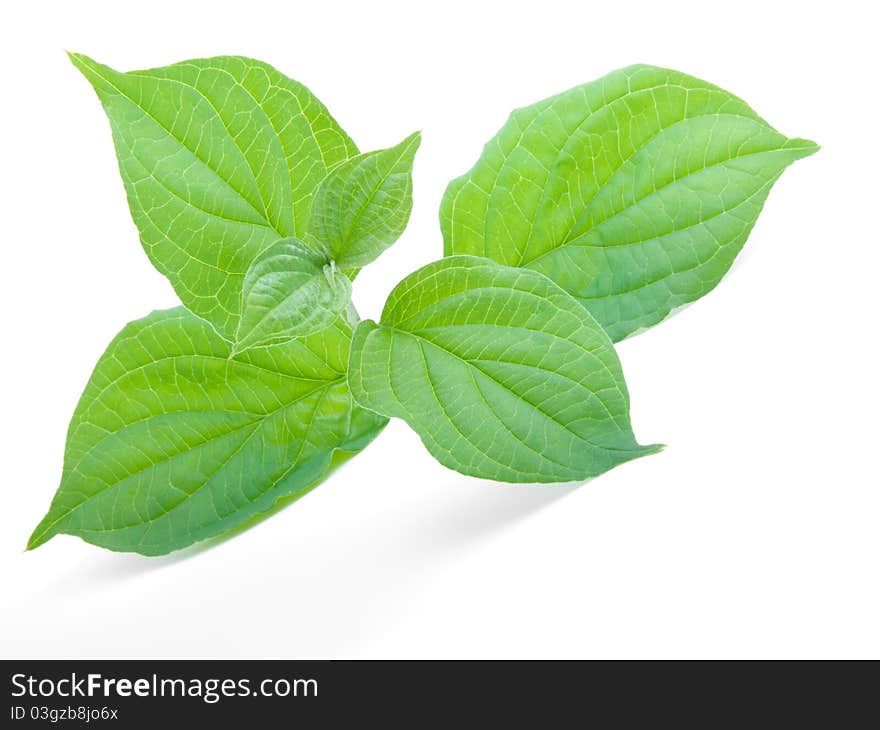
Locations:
{"points": [[755, 533]]}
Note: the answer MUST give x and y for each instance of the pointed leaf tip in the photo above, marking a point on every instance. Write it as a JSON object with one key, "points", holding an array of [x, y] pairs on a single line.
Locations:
{"points": [[363, 205], [502, 374], [660, 192]]}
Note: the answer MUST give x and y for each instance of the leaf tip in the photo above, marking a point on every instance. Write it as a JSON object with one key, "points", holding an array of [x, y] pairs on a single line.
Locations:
{"points": [[79, 60], [87, 66], [403, 151], [410, 145], [804, 147], [38, 537]]}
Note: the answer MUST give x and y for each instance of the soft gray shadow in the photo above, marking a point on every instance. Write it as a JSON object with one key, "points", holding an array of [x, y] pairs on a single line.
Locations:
{"points": [[344, 601], [481, 509], [489, 508], [390, 578], [101, 568]]}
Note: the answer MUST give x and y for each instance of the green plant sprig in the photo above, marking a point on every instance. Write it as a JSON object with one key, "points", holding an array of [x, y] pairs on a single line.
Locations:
{"points": [[591, 215]]}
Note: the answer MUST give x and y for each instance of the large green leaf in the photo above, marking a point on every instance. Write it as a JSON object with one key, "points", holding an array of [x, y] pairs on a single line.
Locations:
{"points": [[502, 374], [173, 441], [220, 158], [289, 291], [363, 205], [634, 192]]}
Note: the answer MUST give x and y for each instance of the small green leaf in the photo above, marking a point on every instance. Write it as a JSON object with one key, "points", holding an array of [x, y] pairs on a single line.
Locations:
{"points": [[502, 374], [220, 158], [289, 291], [634, 193], [363, 205], [173, 441]]}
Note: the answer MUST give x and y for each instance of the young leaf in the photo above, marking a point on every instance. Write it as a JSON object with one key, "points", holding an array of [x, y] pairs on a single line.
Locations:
{"points": [[173, 442], [289, 291], [363, 205], [634, 193], [220, 158], [502, 374]]}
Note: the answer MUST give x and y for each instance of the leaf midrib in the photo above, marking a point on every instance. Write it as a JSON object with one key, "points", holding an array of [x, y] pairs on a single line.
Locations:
{"points": [[93, 67], [522, 133], [346, 238], [678, 272], [574, 241], [548, 416], [254, 425]]}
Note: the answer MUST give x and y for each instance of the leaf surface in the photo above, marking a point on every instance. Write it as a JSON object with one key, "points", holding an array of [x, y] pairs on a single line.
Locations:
{"points": [[634, 192], [363, 204], [220, 158], [502, 374], [174, 442], [289, 291]]}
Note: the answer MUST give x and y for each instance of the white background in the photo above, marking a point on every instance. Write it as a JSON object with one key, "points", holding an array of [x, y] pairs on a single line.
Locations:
{"points": [[754, 534]]}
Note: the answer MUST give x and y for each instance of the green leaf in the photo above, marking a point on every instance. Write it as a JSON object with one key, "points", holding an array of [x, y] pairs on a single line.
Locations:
{"points": [[502, 374], [363, 205], [173, 441], [634, 192], [289, 291], [220, 158]]}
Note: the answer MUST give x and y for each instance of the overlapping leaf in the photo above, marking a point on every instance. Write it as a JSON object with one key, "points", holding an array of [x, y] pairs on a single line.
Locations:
{"points": [[220, 158], [173, 441], [363, 205], [634, 192], [289, 291], [502, 374]]}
